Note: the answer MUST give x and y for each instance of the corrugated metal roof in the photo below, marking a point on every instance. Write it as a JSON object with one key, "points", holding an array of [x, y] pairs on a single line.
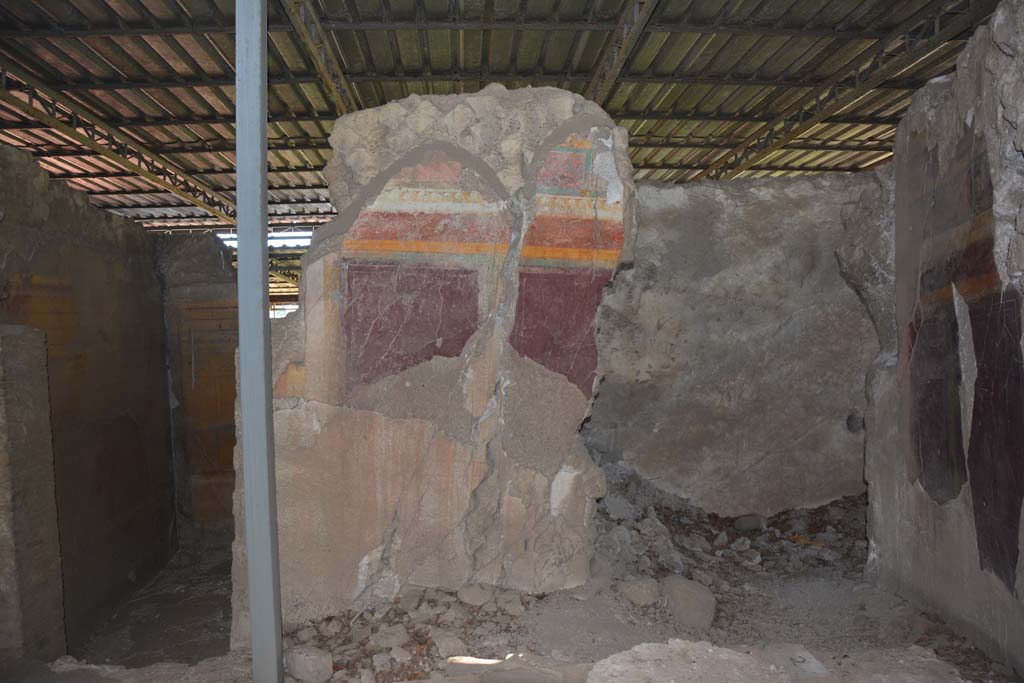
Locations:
{"points": [[703, 86]]}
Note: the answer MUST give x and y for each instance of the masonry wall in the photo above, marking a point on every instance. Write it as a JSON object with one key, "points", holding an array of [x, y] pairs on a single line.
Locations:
{"points": [[733, 353], [429, 390], [31, 595], [201, 318], [945, 450], [88, 281]]}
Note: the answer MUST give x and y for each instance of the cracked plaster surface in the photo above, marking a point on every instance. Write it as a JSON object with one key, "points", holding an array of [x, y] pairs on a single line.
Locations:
{"points": [[426, 407]]}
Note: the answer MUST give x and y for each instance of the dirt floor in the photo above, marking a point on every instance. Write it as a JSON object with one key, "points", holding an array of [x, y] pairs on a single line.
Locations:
{"points": [[183, 615], [788, 590]]}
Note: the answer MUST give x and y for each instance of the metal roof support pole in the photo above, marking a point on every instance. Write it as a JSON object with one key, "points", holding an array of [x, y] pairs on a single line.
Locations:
{"points": [[254, 341]]}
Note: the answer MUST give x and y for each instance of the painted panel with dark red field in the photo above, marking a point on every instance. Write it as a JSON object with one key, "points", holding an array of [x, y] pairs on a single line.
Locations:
{"points": [[554, 322], [399, 315]]}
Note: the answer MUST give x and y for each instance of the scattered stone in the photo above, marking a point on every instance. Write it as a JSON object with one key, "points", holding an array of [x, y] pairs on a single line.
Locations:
{"points": [[721, 540], [510, 603], [382, 661], [389, 637], [345, 651], [690, 603], [751, 556], [740, 544], [703, 577], [641, 592], [684, 661], [795, 525], [306, 635], [438, 596], [424, 612], [400, 655], [455, 614], [651, 527], [828, 555], [409, 598], [475, 595], [672, 560], [330, 628], [618, 508], [696, 543], [308, 664], [749, 523], [447, 643]]}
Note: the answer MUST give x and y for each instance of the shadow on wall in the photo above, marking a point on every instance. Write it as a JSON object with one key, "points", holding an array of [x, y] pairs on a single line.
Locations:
{"points": [[200, 304], [89, 282]]}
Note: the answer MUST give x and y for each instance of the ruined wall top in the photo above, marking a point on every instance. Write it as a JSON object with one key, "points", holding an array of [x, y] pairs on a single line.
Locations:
{"points": [[193, 259], [508, 131], [983, 98]]}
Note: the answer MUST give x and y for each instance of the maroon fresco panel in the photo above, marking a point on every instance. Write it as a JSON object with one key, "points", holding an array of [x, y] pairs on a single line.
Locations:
{"points": [[993, 460], [400, 315], [996, 455], [555, 320]]}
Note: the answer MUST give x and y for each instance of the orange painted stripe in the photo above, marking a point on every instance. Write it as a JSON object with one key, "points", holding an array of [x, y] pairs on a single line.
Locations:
{"points": [[570, 254], [425, 247], [970, 288], [529, 252], [980, 285]]}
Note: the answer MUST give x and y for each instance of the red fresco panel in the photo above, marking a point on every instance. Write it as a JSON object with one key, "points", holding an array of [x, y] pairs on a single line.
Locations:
{"points": [[554, 322], [399, 315]]}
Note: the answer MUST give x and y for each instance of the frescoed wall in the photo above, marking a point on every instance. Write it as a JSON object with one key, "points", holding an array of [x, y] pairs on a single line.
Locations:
{"points": [[945, 425], [429, 390], [966, 376]]}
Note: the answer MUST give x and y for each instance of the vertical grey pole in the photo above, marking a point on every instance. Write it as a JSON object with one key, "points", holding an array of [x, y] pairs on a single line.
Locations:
{"points": [[254, 340]]}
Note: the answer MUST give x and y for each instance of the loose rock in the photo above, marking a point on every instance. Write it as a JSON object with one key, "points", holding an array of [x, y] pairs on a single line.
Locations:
{"points": [[447, 643], [475, 595], [641, 592], [740, 544], [389, 637], [618, 508], [690, 603], [510, 603], [308, 664], [749, 523]]}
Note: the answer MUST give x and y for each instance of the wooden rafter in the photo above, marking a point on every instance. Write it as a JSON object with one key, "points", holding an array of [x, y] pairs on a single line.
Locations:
{"points": [[627, 33]]}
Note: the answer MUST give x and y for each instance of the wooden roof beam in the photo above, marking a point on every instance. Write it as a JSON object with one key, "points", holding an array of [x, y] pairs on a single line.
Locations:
{"points": [[627, 33]]}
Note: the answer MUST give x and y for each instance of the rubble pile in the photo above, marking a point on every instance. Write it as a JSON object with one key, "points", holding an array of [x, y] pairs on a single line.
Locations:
{"points": [[412, 636], [659, 564], [646, 532]]}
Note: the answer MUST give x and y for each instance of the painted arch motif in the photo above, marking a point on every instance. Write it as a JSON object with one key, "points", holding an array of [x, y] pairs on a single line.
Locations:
{"points": [[421, 261]]}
